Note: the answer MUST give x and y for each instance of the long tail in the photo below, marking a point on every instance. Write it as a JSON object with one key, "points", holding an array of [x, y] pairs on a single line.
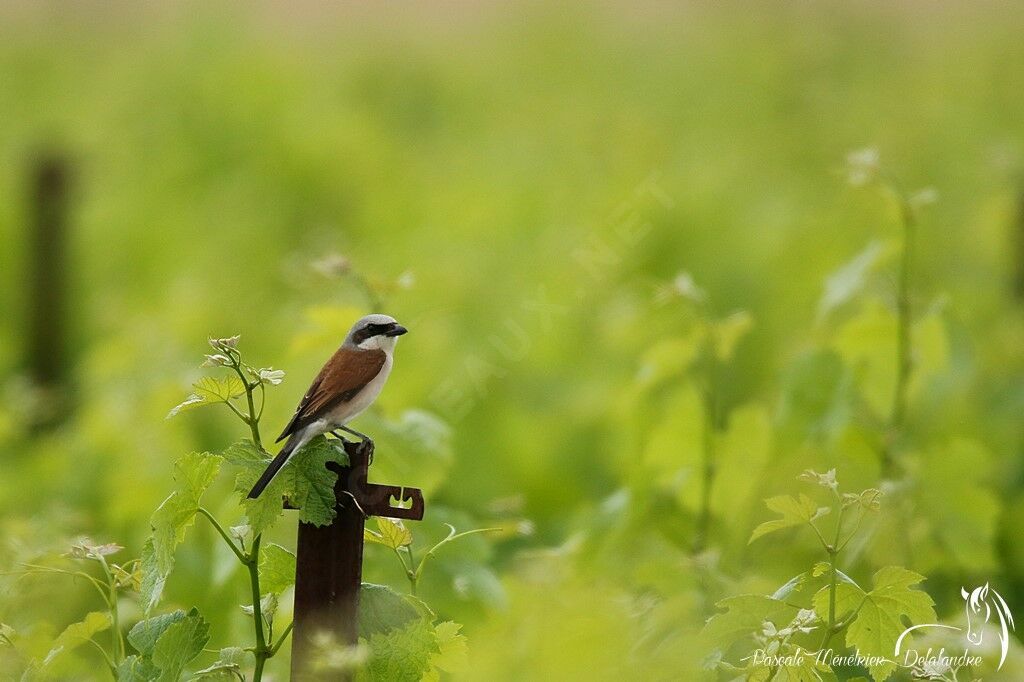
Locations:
{"points": [[274, 467]]}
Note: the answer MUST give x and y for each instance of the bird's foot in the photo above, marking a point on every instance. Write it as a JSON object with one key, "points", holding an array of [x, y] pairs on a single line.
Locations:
{"points": [[340, 437]]}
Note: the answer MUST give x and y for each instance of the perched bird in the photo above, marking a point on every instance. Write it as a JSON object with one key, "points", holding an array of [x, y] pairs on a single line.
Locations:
{"points": [[347, 385]]}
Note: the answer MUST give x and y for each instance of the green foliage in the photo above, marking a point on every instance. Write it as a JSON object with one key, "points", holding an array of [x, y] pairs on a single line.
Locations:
{"points": [[878, 615], [277, 569], [675, 311], [165, 645], [305, 481], [795, 512], [193, 475]]}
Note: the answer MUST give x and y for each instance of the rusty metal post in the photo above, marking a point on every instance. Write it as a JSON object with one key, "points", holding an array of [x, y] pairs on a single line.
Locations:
{"points": [[329, 559]]}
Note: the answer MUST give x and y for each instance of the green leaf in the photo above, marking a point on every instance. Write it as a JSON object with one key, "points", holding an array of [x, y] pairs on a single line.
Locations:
{"points": [[849, 280], [277, 569], [670, 358], [145, 633], [268, 608], [795, 512], [210, 391], [305, 481], [728, 332], [401, 655], [393, 533], [137, 669], [7, 635], [744, 614], [954, 494], [453, 651], [181, 642], [153, 581], [193, 474], [381, 610], [228, 666], [77, 634], [879, 622]]}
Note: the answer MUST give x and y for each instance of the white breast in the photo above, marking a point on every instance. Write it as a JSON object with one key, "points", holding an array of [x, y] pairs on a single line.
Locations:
{"points": [[348, 411]]}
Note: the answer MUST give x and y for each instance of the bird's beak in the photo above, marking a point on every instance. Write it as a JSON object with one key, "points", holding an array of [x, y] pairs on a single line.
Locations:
{"points": [[397, 330]]}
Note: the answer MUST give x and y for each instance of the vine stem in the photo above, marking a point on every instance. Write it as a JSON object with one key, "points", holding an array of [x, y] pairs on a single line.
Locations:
{"points": [[115, 621], [904, 359], [261, 651], [833, 554]]}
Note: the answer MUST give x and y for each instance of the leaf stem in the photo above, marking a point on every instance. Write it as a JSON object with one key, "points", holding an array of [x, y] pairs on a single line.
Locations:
{"points": [[220, 529], [117, 643], [280, 640]]}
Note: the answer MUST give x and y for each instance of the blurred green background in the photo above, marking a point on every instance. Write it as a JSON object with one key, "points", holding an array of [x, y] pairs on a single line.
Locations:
{"points": [[521, 184]]}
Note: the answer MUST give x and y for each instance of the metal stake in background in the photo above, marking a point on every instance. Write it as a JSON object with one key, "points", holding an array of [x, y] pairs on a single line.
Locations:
{"points": [[329, 559]]}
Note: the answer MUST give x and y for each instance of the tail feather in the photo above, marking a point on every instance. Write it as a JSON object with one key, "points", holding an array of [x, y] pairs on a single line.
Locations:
{"points": [[273, 468]]}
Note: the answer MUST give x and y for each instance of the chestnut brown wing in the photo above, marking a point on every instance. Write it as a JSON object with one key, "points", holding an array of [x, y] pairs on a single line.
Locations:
{"points": [[344, 375]]}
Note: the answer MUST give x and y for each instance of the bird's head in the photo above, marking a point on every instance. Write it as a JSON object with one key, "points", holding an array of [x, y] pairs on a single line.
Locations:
{"points": [[375, 331]]}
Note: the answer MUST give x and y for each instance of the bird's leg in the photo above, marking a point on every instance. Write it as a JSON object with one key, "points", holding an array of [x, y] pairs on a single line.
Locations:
{"points": [[363, 437], [339, 436]]}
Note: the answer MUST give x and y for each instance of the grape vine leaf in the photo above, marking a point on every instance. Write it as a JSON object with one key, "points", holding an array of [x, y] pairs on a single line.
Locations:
{"points": [[452, 652], [226, 667], [880, 613], [743, 615], [210, 391], [849, 280], [165, 645], [954, 497], [277, 569], [393, 533], [77, 634], [305, 481], [179, 644], [401, 655], [795, 512], [382, 609], [193, 474]]}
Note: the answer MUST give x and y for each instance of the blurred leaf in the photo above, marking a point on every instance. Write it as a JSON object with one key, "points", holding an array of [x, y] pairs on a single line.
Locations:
{"points": [[86, 549], [382, 610], [955, 497], [210, 391], [795, 512], [670, 358], [728, 332], [848, 281], [77, 634], [277, 568], [741, 453], [879, 621], [744, 615]]}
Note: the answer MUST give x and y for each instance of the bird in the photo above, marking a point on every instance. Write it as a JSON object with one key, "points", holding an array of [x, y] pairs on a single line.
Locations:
{"points": [[348, 384]]}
